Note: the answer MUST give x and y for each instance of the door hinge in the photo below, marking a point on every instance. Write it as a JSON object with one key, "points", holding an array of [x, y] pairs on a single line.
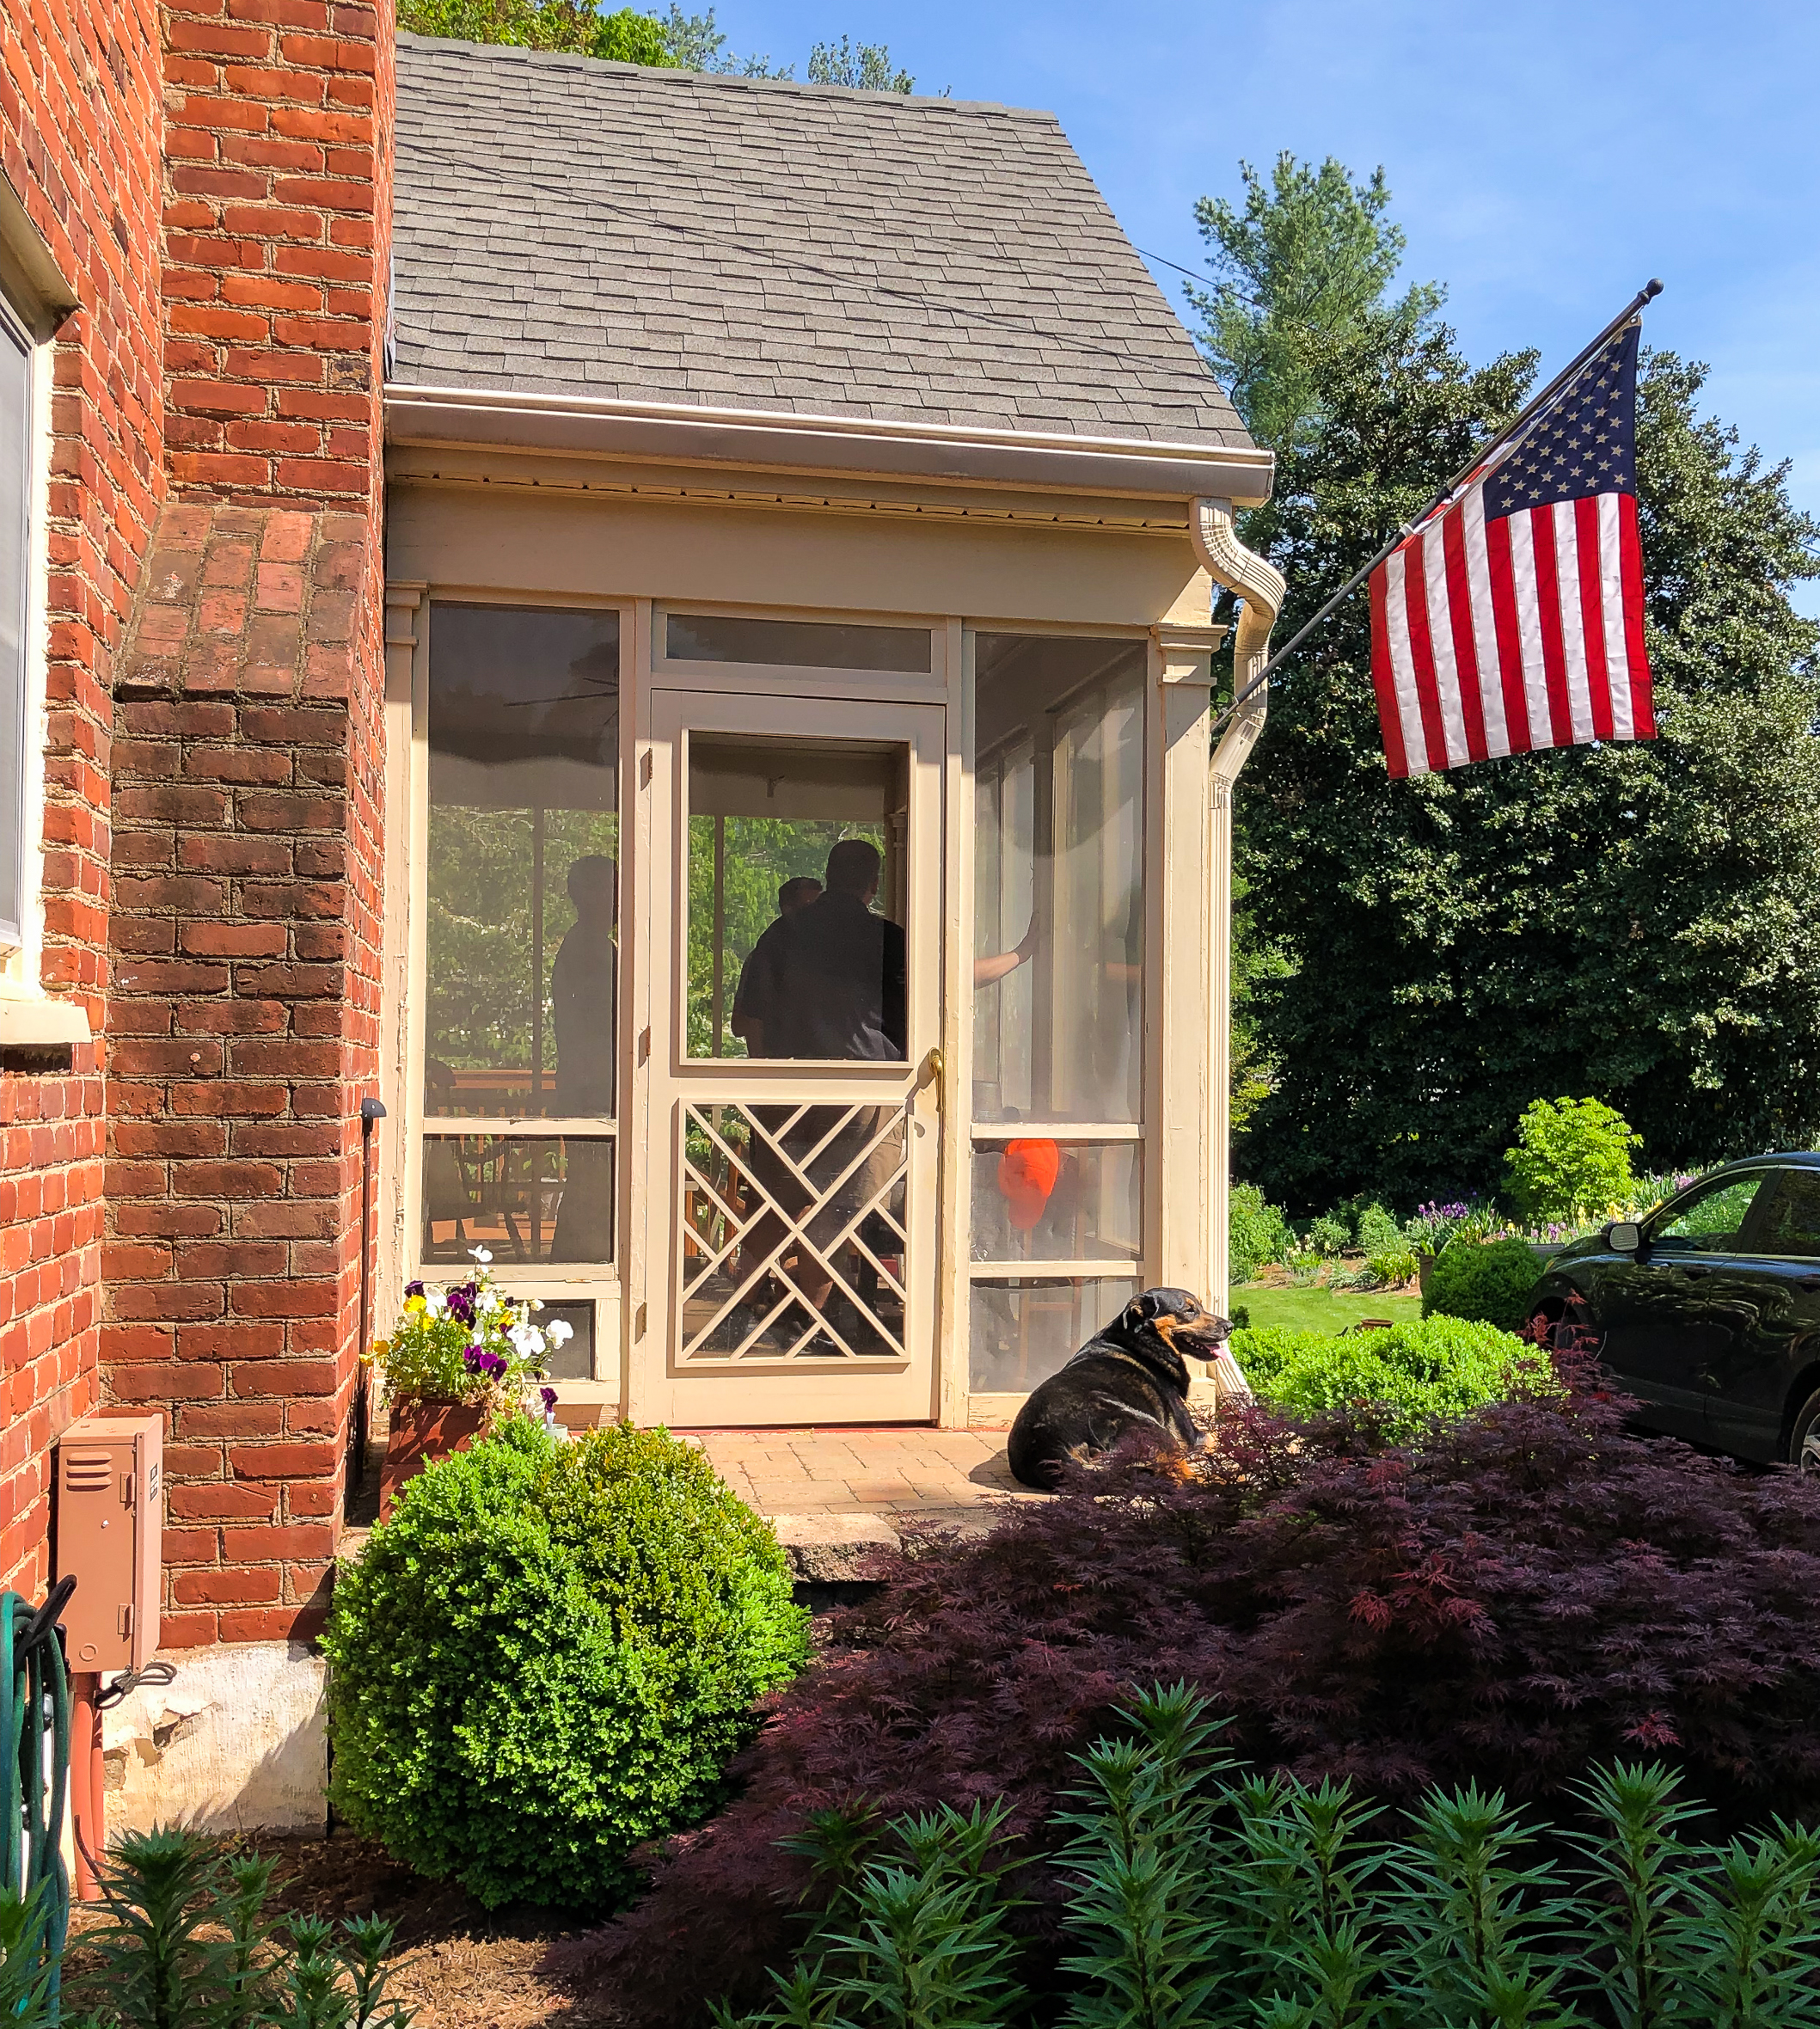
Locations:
{"points": [[644, 770]]}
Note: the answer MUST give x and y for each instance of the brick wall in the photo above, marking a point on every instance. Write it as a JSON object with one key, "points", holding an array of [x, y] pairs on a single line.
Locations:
{"points": [[238, 1048], [80, 128], [243, 1023]]}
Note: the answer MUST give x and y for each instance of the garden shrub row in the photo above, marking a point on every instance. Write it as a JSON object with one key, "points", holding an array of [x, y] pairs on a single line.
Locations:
{"points": [[1525, 1593], [1412, 1373]]}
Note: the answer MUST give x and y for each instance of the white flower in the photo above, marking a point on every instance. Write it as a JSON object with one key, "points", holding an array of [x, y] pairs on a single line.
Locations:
{"points": [[485, 1303], [558, 1332], [480, 1254], [528, 1340], [435, 1302]]}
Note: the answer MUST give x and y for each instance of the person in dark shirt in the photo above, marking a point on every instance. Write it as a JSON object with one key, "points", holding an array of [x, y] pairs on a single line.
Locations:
{"points": [[583, 1003], [795, 893], [835, 986]]}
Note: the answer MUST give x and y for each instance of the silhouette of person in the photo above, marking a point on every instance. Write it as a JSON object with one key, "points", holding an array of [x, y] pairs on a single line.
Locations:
{"points": [[795, 893], [585, 1006]]}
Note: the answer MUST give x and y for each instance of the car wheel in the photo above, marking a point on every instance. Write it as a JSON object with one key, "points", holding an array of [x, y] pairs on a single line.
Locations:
{"points": [[1803, 1436]]}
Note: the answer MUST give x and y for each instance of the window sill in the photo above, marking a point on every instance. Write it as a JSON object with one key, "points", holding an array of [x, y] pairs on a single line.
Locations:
{"points": [[40, 1024]]}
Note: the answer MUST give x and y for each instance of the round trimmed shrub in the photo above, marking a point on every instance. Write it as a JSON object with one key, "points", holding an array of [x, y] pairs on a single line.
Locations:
{"points": [[1414, 1373], [1489, 1280], [1257, 1233], [548, 1656]]}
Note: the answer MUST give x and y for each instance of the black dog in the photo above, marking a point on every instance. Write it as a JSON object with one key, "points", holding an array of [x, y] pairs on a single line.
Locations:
{"points": [[1130, 1376]]}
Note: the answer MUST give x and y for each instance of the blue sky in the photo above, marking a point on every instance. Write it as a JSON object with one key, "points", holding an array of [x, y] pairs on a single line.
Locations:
{"points": [[1545, 159]]}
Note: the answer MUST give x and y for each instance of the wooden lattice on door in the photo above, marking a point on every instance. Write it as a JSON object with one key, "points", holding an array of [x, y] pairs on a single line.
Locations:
{"points": [[794, 1232]]}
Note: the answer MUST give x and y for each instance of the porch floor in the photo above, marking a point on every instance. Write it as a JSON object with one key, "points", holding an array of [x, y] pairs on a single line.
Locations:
{"points": [[838, 1497], [901, 1470]]}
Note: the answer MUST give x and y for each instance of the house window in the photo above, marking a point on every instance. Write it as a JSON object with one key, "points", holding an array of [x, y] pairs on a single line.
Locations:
{"points": [[1057, 1187], [521, 1032], [796, 644], [15, 494]]}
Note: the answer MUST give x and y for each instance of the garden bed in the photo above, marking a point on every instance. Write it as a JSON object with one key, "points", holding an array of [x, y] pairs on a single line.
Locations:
{"points": [[459, 1966]]}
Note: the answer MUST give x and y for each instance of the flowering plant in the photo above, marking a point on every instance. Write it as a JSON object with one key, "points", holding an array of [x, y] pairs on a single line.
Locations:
{"points": [[467, 1344]]}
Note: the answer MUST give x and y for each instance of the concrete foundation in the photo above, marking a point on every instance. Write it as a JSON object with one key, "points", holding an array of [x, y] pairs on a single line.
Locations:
{"points": [[238, 1741]]}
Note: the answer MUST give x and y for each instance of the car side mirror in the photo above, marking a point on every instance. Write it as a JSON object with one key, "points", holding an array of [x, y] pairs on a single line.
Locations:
{"points": [[1624, 1236]]}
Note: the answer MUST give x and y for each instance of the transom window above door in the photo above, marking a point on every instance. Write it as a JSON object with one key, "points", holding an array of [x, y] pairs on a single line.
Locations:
{"points": [[521, 935], [795, 644]]}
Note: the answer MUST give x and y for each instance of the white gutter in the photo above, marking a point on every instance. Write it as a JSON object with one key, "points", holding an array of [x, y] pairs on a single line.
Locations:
{"points": [[1260, 585], [481, 418]]}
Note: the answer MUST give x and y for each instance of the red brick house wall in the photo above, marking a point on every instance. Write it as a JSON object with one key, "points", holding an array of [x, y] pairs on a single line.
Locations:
{"points": [[243, 1023], [80, 143], [213, 178]]}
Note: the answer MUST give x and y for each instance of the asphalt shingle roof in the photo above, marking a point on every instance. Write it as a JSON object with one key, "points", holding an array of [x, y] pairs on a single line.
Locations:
{"points": [[567, 226]]}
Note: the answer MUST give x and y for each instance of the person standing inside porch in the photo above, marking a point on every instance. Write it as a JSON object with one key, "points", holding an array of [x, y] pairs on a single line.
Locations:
{"points": [[836, 988], [583, 1003]]}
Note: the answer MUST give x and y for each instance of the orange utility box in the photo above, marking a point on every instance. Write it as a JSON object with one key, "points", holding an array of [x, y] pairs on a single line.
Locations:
{"points": [[110, 1525]]}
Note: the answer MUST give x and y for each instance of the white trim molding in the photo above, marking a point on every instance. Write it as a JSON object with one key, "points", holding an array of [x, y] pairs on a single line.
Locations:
{"points": [[693, 433], [1259, 587]]}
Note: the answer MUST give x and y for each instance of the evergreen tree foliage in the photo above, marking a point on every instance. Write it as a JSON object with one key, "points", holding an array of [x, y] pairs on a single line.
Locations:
{"points": [[1308, 258], [1641, 923], [860, 66]]}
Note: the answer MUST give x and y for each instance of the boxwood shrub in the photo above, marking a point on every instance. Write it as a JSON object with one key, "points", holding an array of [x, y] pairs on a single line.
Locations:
{"points": [[548, 1655], [1438, 1367], [1489, 1280]]}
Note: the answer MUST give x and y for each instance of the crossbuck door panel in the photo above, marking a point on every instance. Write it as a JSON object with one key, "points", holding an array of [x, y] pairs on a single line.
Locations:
{"points": [[797, 866]]}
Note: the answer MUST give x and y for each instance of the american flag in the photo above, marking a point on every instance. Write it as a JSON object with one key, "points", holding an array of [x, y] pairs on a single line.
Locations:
{"points": [[1513, 619]]}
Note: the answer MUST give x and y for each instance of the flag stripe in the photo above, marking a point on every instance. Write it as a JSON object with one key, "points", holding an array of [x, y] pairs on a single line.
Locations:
{"points": [[1403, 662], [1590, 630], [1384, 680], [1441, 643], [1466, 650], [1630, 564], [1529, 620], [1421, 654], [1549, 625], [1492, 680], [1611, 614]]}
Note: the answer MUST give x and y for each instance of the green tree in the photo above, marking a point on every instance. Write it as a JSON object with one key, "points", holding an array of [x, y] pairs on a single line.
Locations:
{"points": [[1638, 920], [1308, 258], [578, 28], [1572, 1160], [860, 66]]}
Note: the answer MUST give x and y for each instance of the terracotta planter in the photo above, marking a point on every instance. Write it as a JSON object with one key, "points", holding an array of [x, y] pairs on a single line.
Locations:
{"points": [[422, 1432]]}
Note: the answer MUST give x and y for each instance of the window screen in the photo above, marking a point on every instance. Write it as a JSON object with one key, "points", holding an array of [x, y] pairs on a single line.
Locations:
{"points": [[15, 412]]}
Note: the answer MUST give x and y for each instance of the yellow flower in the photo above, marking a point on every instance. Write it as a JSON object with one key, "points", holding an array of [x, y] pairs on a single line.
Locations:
{"points": [[381, 1347], [415, 1303]]}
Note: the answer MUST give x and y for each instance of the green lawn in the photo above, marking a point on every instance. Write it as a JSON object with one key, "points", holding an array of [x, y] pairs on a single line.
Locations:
{"points": [[1319, 1310]]}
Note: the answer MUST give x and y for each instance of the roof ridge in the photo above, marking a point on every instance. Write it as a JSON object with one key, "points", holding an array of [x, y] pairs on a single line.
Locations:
{"points": [[666, 74]]}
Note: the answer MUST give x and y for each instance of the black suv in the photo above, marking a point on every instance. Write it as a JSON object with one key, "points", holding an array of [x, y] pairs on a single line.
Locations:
{"points": [[1708, 1310]]}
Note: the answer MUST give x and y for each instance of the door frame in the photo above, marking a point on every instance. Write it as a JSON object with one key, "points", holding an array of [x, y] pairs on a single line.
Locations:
{"points": [[658, 1390]]}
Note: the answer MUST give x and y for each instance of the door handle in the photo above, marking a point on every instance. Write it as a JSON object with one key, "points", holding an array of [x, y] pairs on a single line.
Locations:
{"points": [[933, 1066]]}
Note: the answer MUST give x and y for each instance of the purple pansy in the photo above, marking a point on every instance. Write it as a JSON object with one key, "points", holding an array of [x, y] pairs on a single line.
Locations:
{"points": [[461, 1302], [414, 1288]]}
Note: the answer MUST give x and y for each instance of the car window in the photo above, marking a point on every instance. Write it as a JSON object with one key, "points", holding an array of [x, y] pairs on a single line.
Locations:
{"points": [[1710, 1222], [1792, 1225]]}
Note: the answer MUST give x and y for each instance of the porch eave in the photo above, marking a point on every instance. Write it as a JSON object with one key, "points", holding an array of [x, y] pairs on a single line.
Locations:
{"points": [[478, 419]]}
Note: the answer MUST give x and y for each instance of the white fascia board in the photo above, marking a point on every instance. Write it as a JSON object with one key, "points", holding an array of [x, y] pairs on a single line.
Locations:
{"points": [[767, 440]]}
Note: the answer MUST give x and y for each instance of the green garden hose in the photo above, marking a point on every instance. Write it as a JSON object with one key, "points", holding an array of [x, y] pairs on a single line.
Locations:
{"points": [[35, 1699]]}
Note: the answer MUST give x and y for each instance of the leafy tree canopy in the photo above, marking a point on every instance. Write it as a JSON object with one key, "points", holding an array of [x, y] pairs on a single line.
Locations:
{"points": [[1308, 258], [674, 42], [1637, 922]]}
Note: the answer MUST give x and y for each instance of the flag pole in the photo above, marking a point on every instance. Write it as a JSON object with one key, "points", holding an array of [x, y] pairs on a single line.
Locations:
{"points": [[1646, 294]]}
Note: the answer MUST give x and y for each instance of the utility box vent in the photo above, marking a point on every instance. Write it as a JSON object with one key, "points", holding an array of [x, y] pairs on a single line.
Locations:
{"points": [[109, 1529]]}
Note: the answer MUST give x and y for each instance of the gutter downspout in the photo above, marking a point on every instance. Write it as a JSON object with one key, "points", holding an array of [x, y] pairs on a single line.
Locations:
{"points": [[1260, 585]]}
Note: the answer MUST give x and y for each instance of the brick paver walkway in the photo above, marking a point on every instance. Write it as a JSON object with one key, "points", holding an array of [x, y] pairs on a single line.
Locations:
{"points": [[897, 1470]]}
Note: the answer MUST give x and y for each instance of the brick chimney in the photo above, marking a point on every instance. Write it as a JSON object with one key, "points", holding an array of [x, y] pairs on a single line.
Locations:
{"points": [[248, 763]]}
